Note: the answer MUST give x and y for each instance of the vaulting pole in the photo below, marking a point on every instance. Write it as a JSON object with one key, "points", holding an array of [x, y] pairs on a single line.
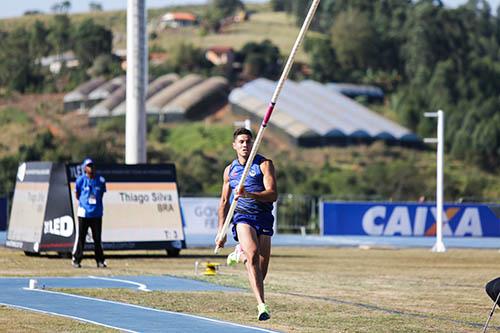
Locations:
{"points": [[222, 233]]}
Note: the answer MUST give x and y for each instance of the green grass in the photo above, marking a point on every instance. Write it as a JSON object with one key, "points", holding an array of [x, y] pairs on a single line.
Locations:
{"points": [[189, 138], [277, 27], [308, 289], [11, 115]]}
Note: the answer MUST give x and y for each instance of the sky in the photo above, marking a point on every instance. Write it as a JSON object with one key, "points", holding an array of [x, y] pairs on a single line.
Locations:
{"points": [[17, 8]]}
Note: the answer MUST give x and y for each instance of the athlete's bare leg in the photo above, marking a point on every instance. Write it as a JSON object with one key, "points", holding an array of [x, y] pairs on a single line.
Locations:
{"points": [[249, 243]]}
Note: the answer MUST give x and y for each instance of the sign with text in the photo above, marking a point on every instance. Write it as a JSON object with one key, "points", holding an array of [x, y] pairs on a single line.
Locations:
{"points": [[200, 215], [409, 219], [40, 218], [141, 205]]}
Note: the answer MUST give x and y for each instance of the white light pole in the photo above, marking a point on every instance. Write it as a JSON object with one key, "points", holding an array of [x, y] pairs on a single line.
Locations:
{"points": [[137, 78], [439, 245]]}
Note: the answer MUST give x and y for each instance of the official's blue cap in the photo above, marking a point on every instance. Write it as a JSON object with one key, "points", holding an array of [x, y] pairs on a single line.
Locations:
{"points": [[87, 161]]}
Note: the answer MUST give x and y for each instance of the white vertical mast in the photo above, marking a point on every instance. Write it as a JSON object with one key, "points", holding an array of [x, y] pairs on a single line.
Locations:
{"points": [[137, 78]]}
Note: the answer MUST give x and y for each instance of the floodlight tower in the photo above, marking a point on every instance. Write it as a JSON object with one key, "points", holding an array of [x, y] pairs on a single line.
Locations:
{"points": [[137, 78], [439, 245]]}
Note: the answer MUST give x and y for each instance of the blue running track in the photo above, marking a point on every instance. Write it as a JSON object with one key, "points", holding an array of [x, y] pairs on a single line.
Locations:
{"points": [[133, 318], [117, 315]]}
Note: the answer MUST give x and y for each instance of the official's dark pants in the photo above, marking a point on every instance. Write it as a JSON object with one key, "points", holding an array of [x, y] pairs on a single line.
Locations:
{"points": [[95, 225]]}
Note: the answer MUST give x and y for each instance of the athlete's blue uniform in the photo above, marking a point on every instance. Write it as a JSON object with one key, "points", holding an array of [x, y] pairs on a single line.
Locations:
{"points": [[253, 212]]}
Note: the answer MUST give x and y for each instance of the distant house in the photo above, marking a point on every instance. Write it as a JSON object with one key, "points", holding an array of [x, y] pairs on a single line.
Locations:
{"points": [[178, 19], [220, 55], [157, 58], [56, 62]]}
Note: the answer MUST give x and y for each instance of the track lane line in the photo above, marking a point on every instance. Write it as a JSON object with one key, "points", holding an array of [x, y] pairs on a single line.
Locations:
{"points": [[67, 316], [153, 309], [140, 286]]}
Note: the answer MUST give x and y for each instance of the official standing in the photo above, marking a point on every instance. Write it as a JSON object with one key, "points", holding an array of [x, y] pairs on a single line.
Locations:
{"points": [[90, 189]]}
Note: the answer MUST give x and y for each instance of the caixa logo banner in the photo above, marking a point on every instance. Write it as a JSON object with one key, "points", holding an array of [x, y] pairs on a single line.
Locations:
{"points": [[409, 219]]}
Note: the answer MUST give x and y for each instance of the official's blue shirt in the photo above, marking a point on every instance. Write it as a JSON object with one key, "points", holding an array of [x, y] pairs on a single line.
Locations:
{"points": [[90, 192], [253, 183]]}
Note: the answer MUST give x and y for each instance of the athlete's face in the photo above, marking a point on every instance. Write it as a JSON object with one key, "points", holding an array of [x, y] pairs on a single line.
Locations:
{"points": [[243, 145]]}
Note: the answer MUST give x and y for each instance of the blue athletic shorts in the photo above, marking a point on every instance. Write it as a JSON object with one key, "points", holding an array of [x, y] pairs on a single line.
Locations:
{"points": [[263, 224]]}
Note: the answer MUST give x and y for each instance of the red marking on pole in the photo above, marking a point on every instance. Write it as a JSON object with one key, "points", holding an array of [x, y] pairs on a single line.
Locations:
{"points": [[268, 114]]}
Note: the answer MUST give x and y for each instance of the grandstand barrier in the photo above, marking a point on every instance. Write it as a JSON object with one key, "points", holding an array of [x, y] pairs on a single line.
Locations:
{"points": [[408, 219]]}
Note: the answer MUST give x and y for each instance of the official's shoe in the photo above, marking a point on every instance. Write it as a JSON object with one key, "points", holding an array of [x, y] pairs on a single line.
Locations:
{"points": [[264, 313], [76, 264], [102, 264], [234, 257]]}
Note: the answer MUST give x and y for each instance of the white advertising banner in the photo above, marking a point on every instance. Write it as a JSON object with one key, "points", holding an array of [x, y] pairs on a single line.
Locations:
{"points": [[200, 215]]}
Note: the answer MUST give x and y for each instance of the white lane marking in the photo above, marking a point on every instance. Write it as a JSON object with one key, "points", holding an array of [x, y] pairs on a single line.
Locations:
{"points": [[141, 286], [152, 309], [67, 316]]}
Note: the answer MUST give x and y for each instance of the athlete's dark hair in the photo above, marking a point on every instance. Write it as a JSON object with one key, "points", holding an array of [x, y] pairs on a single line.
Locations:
{"points": [[240, 131]]}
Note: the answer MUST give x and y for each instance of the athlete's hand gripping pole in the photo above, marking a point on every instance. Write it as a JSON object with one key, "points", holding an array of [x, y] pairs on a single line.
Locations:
{"points": [[223, 232]]}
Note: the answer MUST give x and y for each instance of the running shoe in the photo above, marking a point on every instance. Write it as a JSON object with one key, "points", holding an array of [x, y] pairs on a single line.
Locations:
{"points": [[264, 313], [234, 257]]}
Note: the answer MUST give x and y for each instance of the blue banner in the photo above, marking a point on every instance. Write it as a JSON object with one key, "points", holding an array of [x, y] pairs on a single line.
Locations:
{"points": [[3, 214], [409, 219]]}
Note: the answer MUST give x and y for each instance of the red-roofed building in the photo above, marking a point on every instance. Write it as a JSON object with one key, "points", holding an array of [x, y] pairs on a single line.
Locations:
{"points": [[220, 55], [179, 19]]}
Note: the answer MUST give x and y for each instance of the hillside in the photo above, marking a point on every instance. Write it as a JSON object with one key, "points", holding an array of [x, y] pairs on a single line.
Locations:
{"points": [[263, 24], [202, 149], [35, 127]]}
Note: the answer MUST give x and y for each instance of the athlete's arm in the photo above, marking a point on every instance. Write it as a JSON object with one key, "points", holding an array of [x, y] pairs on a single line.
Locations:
{"points": [[224, 204], [270, 194]]}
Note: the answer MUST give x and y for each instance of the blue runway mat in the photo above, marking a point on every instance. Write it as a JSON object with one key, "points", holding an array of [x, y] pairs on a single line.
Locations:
{"points": [[144, 283], [117, 315]]}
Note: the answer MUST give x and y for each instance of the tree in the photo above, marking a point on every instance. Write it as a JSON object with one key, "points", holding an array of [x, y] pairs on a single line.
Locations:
{"points": [[59, 35], [17, 64], [323, 60], [65, 6], [95, 7], [62, 7], [38, 33], [277, 5], [32, 12], [93, 40], [226, 7], [260, 59], [354, 40], [186, 58]]}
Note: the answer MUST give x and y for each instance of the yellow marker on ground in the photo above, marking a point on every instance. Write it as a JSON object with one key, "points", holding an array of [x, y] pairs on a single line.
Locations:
{"points": [[211, 268]]}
